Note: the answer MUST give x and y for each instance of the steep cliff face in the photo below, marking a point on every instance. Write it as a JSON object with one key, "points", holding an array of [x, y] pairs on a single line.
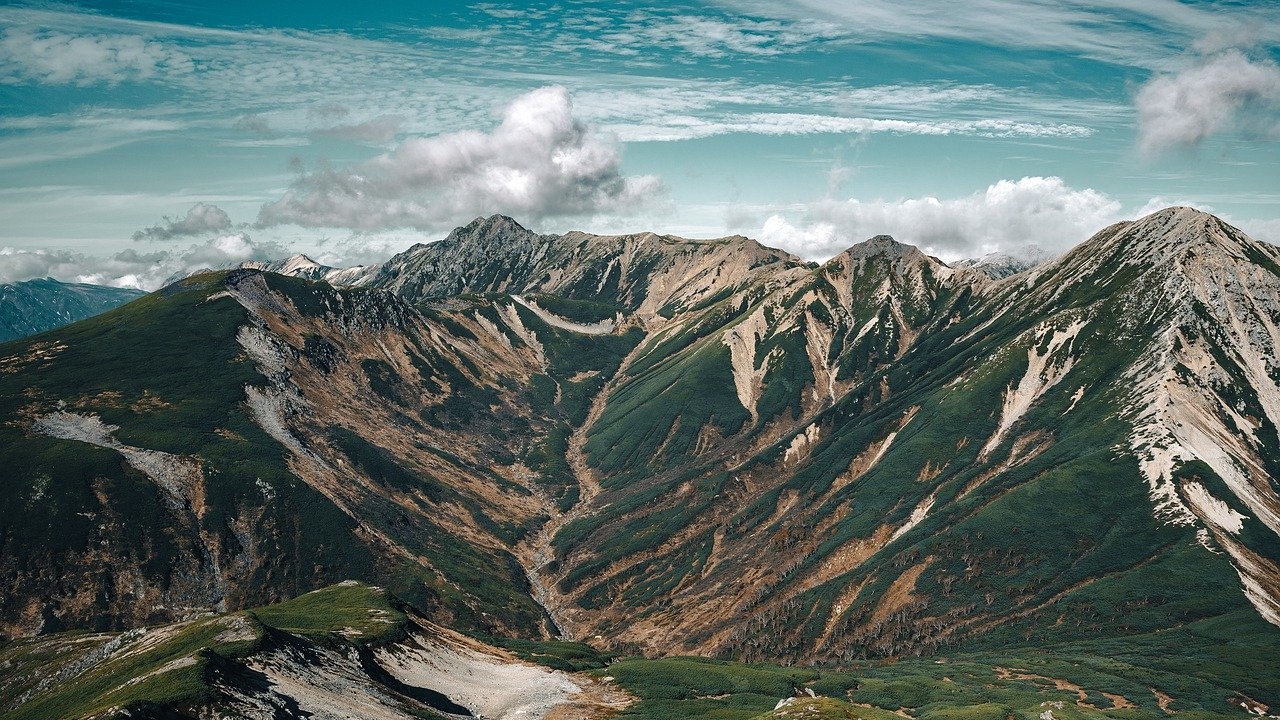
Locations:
{"points": [[672, 446]]}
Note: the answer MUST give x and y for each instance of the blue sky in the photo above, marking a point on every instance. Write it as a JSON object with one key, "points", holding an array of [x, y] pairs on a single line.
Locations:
{"points": [[139, 139]]}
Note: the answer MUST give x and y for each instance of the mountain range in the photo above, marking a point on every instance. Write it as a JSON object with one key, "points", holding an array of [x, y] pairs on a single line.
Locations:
{"points": [[670, 447], [33, 306]]}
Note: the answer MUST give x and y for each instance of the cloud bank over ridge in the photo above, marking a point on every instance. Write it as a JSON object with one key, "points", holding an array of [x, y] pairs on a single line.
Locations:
{"points": [[1007, 216]]}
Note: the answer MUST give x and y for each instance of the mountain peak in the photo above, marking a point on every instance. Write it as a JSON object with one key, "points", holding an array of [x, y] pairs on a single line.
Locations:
{"points": [[880, 245], [489, 226], [1175, 231], [1177, 213]]}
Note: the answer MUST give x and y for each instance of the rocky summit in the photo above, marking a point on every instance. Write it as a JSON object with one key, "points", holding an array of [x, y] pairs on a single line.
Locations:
{"points": [[903, 486]]}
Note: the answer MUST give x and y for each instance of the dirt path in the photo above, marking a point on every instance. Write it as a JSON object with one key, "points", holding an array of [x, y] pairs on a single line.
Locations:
{"points": [[1118, 702], [536, 552]]}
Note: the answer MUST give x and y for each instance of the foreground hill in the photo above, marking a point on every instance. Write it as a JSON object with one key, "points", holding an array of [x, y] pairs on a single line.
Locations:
{"points": [[33, 306], [671, 446], [348, 650], [351, 650]]}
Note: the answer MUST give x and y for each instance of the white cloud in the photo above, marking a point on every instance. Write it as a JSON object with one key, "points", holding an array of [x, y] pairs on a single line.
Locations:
{"points": [[28, 55], [701, 36], [540, 161], [200, 219], [1007, 216], [130, 268], [1264, 230], [379, 130], [1213, 95], [1138, 33], [687, 127]]}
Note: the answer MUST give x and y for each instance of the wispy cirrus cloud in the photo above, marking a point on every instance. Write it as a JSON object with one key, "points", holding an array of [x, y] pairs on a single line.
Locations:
{"points": [[684, 111], [274, 79], [676, 33], [380, 129], [540, 161], [1143, 33], [693, 37], [676, 127]]}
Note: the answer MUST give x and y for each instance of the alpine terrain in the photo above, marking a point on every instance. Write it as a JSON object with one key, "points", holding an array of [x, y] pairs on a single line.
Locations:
{"points": [[33, 306], [693, 477]]}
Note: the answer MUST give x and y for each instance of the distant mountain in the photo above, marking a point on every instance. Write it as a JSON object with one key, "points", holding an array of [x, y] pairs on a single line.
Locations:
{"points": [[1003, 264], [301, 266], [33, 306], [689, 447]]}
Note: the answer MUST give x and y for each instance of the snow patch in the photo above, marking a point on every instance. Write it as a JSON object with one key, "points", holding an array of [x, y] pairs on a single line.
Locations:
{"points": [[918, 515], [513, 321], [801, 444], [742, 340]]}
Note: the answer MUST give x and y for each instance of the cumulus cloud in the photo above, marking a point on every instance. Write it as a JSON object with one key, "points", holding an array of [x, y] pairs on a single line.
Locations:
{"points": [[1218, 92], [1007, 217], [540, 161], [28, 55], [200, 219], [130, 268]]}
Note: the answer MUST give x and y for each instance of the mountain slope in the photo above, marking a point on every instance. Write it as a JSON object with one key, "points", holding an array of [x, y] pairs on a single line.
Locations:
{"points": [[301, 266], [881, 523], [279, 441], [33, 306], [353, 650], [672, 446], [344, 651]]}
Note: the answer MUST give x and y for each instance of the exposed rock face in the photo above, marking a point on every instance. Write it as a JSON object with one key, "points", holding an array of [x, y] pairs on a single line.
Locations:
{"points": [[643, 273], [712, 447]]}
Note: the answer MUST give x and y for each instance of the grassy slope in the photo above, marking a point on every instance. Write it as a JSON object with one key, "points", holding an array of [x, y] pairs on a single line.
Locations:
{"points": [[134, 368], [1060, 547], [1201, 666], [78, 522], [161, 674]]}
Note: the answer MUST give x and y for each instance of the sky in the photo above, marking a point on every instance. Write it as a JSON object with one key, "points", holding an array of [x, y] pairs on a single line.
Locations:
{"points": [[148, 138]]}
